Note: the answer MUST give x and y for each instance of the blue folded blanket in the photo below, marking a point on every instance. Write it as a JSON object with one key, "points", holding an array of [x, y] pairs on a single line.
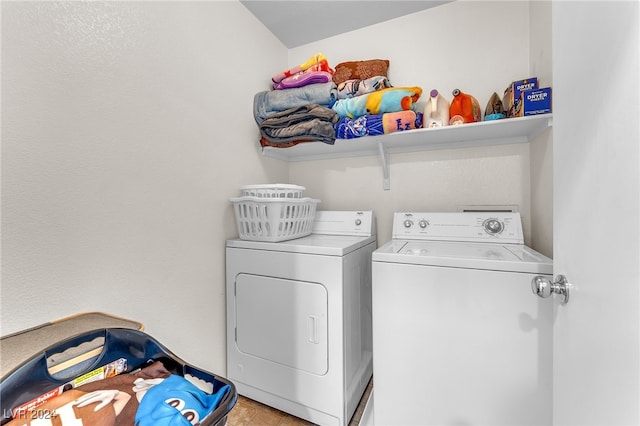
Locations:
{"points": [[380, 124], [270, 102]]}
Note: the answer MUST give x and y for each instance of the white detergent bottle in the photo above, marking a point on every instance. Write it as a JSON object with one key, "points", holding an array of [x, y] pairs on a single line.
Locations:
{"points": [[436, 111]]}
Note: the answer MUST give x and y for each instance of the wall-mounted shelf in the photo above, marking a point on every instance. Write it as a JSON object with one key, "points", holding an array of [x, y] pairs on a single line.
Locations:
{"points": [[499, 132]]}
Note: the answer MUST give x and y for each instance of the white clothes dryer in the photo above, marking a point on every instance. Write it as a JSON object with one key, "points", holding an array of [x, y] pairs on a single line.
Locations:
{"points": [[299, 318], [459, 338]]}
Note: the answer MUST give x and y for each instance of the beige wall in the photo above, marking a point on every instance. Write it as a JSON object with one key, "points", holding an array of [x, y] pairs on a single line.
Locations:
{"points": [[467, 45], [126, 127]]}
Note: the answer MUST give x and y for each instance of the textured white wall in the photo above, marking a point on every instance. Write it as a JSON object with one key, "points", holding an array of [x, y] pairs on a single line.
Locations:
{"points": [[441, 180], [478, 47], [126, 127]]}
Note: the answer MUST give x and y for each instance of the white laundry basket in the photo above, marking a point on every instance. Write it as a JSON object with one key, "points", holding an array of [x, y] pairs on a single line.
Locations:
{"points": [[278, 190], [274, 219]]}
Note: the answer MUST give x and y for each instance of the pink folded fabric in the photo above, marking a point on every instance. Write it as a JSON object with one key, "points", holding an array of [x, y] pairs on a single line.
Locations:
{"points": [[401, 120], [314, 60], [303, 79]]}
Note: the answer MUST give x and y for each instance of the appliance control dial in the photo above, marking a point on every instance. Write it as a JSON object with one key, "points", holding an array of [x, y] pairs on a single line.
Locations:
{"points": [[423, 224], [358, 222], [493, 226], [408, 223]]}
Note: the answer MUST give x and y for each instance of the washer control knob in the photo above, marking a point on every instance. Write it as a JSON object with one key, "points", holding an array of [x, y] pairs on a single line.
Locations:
{"points": [[493, 226], [423, 224], [358, 222], [408, 223]]}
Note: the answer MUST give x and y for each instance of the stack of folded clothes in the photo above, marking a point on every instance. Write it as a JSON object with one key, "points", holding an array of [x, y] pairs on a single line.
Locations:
{"points": [[313, 102], [369, 105], [298, 109]]}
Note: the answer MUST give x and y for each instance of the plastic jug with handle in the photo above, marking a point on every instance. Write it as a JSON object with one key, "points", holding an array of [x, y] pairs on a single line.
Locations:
{"points": [[436, 110], [464, 108]]}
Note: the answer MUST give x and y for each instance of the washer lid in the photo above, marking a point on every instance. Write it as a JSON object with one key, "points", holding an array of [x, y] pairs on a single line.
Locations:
{"points": [[328, 245], [491, 256]]}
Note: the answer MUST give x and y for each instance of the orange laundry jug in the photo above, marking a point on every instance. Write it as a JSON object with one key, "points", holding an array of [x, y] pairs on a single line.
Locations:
{"points": [[436, 111], [464, 108]]}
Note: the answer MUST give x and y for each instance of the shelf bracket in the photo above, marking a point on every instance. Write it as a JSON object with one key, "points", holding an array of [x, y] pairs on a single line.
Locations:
{"points": [[384, 158]]}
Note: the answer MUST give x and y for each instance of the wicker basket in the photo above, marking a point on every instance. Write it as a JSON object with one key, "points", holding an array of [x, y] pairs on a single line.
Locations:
{"points": [[274, 219]]}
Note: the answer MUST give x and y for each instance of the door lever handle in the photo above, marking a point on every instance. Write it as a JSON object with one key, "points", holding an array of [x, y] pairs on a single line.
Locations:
{"points": [[544, 287]]}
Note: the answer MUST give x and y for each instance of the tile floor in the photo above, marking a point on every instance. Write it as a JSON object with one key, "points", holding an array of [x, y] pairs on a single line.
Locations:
{"points": [[252, 413]]}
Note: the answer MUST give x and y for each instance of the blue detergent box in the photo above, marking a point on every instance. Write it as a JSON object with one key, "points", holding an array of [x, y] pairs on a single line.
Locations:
{"points": [[537, 101], [524, 86], [518, 89]]}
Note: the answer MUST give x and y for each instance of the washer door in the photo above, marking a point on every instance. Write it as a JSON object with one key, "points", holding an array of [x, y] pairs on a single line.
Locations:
{"points": [[283, 321]]}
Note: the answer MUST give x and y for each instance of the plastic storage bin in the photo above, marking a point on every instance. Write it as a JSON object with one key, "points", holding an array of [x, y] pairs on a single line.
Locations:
{"points": [[278, 190], [274, 219], [53, 372]]}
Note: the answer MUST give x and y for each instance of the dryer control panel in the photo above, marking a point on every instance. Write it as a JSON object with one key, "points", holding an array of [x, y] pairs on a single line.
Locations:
{"points": [[355, 223], [468, 226]]}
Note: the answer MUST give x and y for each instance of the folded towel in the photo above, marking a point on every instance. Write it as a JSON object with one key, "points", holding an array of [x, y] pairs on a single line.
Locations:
{"points": [[303, 79], [274, 101], [317, 73], [353, 88], [373, 125], [379, 102], [310, 122], [315, 59], [400, 121]]}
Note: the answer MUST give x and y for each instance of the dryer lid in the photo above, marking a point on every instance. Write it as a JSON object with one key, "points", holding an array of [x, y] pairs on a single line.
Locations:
{"points": [[335, 233], [328, 245]]}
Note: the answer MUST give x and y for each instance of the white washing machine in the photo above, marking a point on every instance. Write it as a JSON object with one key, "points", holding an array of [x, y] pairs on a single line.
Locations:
{"points": [[458, 336], [299, 318]]}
